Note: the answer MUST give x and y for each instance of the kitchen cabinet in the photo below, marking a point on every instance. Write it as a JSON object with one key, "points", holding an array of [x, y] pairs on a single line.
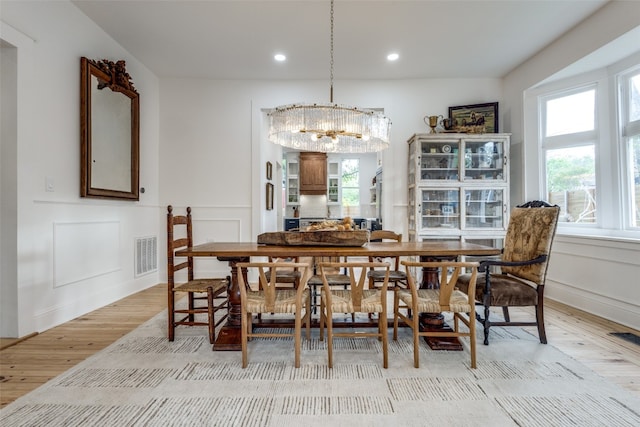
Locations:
{"points": [[458, 187], [313, 173]]}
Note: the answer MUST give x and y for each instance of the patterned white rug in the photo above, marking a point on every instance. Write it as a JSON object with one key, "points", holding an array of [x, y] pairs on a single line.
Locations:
{"points": [[144, 380]]}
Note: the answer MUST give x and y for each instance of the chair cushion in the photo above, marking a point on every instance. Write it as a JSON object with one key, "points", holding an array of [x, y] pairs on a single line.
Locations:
{"points": [[505, 290], [341, 301], [285, 301], [429, 301]]}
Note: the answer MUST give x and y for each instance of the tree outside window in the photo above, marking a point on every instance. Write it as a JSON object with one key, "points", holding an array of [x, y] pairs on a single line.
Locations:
{"points": [[351, 187], [568, 144]]}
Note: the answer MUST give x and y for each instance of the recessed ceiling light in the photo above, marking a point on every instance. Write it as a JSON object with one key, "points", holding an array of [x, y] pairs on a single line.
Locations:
{"points": [[392, 57], [279, 57]]}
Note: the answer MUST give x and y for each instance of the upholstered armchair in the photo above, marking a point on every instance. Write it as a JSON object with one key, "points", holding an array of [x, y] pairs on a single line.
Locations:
{"points": [[523, 267]]}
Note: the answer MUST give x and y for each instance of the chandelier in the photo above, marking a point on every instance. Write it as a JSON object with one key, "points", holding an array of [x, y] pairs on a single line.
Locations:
{"points": [[329, 128]]}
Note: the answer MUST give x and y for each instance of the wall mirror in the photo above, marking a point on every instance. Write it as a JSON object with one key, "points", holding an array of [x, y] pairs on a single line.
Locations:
{"points": [[109, 128]]}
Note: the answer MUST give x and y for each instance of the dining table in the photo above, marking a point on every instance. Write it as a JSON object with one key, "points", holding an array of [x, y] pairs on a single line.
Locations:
{"points": [[229, 337]]}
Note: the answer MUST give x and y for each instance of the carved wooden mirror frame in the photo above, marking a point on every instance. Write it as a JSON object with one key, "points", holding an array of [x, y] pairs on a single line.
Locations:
{"points": [[109, 131]]}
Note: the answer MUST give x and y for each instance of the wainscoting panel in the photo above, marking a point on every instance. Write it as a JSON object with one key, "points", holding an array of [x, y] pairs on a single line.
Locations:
{"points": [[82, 250], [598, 276]]}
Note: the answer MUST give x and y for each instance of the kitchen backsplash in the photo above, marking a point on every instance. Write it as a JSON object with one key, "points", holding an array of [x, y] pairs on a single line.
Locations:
{"points": [[315, 207]]}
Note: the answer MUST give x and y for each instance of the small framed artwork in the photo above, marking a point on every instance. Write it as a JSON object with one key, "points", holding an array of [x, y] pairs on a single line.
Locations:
{"points": [[447, 209], [269, 171], [475, 118], [269, 196]]}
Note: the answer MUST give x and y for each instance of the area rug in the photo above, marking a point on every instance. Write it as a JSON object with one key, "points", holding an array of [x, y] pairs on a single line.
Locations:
{"points": [[144, 380]]}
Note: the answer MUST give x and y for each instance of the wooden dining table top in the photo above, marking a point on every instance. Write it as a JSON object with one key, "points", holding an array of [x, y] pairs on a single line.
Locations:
{"points": [[233, 252], [425, 248]]}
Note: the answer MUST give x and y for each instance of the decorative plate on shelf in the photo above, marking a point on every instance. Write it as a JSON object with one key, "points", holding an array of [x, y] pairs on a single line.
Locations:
{"points": [[446, 148]]}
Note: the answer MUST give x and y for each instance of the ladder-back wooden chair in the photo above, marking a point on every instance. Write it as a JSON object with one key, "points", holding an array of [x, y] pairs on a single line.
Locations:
{"points": [[205, 296]]}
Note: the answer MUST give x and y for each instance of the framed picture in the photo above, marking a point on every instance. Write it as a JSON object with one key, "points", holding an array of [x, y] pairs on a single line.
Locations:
{"points": [[447, 209], [269, 196], [476, 118], [269, 170]]}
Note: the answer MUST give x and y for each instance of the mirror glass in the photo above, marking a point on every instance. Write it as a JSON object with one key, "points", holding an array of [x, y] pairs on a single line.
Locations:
{"points": [[110, 131]]}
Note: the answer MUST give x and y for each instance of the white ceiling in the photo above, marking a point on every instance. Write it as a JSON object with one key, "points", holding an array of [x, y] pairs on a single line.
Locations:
{"points": [[220, 39]]}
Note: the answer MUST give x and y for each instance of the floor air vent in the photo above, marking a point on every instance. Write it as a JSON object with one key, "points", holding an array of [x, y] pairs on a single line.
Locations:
{"points": [[146, 255], [627, 336]]}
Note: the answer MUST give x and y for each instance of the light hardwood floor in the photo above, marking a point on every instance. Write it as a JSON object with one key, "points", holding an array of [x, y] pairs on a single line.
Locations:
{"points": [[30, 363]]}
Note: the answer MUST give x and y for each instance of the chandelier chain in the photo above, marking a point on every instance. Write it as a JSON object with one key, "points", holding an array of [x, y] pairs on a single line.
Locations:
{"points": [[331, 62], [329, 128]]}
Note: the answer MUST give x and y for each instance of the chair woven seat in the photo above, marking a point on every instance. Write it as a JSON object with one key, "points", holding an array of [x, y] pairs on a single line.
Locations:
{"points": [[429, 300], [201, 285], [394, 276], [284, 301], [342, 301], [333, 279]]}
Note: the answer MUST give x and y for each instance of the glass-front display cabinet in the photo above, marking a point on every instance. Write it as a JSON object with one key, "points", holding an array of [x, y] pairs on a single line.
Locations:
{"points": [[458, 186], [291, 179], [333, 181]]}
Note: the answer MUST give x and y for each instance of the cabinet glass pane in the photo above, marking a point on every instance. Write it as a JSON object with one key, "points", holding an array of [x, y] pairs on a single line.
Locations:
{"points": [[439, 160], [483, 160], [484, 208], [332, 192], [440, 209], [411, 167], [292, 190]]}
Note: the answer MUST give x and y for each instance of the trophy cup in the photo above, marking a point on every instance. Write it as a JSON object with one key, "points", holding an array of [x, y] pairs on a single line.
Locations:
{"points": [[433, 122]]}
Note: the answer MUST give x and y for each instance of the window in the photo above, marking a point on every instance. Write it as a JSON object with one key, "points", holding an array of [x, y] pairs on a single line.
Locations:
{"points": [[587, 159], [629, 94], [569, 146], [351, 187]]}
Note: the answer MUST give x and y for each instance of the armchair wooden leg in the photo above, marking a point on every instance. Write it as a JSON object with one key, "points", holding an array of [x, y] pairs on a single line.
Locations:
{"points": [[505, 313], [540, 320], [212, 326], [487, 324]]}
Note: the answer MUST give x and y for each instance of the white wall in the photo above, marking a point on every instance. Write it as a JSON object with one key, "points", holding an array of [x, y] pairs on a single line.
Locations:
{"points": [[594, 274], [203, 146], [212, 137], [52, 287], [8, 191]]}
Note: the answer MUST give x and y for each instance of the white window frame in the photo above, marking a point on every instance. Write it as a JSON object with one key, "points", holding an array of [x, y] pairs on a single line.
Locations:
{"points": [[627, 129], [357, 187], [570, 140], [613, 215]]}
